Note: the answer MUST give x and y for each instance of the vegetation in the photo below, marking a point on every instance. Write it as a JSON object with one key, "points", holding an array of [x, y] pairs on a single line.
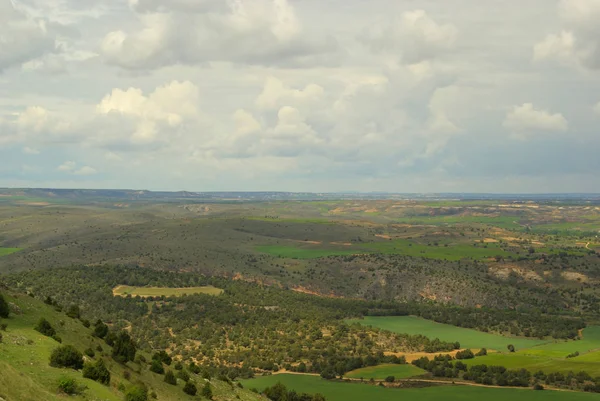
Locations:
{"points": [[4, 308], [66, 356], [97, 371]]}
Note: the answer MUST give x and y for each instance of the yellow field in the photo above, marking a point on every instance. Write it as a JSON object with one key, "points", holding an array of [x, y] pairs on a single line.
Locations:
{"points": [[124, 290]]}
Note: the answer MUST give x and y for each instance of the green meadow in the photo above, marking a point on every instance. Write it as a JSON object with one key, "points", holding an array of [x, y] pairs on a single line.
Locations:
{"points": [[339, 391], [124, 290], [8, 251], [468, 338], [380, 372]]}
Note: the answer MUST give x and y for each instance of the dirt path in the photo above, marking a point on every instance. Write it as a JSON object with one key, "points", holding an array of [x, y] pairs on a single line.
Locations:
{"points": [[587, 246]]}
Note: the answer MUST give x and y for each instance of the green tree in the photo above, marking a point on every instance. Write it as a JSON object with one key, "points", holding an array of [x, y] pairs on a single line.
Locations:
{"points": [[136, 393], [157, 367], [170, 378], [124, 348], [390, 379], [74, 312], [100, 329], [66, 356], [43, 326], [190, 388], [207, 391], [511, 348], [4, 309], [97, 372]]}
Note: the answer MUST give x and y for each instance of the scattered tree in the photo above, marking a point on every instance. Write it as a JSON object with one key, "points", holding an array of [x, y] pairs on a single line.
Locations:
{"points": [[66, 356]]}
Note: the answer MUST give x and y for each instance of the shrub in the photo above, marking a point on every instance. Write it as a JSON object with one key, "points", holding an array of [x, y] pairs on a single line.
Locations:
{"points": [[100, 329], [136, 393], [0, 338], [127, 375], [482, 352], [97, 372], [163, 357], [194, 368], [207, 391], [90, 352], [170, 378], [124, 349], [390, 379], [4, 309], [466, 354], [183, 375], [44, 327], [157, 367], [86, 323], [511, 348], [178, 366], [69, 386], [538, 386], [73, 312], [190, 388], [66, 356], [3, 326]]}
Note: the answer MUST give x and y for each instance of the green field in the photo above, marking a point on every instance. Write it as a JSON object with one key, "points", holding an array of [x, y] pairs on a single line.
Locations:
{"points": [[468, 338], [380, 372], [282, 251], [552, 357], [337, 391], [124, 290], [8, 251]]}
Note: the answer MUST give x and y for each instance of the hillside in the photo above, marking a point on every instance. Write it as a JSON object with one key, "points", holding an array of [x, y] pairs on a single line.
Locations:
{"points": [[27, 376]]}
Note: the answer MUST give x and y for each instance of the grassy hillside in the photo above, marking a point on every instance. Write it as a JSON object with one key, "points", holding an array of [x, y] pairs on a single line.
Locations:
{"points": [[338, 391], [25, 374]]}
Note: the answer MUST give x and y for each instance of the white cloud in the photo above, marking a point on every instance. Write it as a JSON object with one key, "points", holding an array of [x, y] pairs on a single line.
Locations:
{"points": [[579, 42], [71, 168], [526, 119], [264, 32], [276, 94], [22, 38], [414, 35], [30, 151]]}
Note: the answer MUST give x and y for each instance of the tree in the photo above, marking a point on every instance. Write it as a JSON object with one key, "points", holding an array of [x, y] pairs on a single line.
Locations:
{"points": [[207, 391], [390, 379], [4, 309], [170, 378], [74, 312], [124, 348], [136, 393], [163, 357], [66, 356], [43, 326], [100, 329], [97, 372], [511, 348], [190, 388], [157, 367]]}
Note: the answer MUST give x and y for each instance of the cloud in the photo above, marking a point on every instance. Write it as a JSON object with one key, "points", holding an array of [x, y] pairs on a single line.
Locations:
{"points": [[525, 119], [597, 108], [261, 32], [23, 38], [30, 151], [71, 168], [579, 42], [275, 94], [415, 36]]}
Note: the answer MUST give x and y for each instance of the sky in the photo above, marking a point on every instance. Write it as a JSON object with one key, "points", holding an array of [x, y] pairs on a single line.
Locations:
{"points": [[301, 95]]}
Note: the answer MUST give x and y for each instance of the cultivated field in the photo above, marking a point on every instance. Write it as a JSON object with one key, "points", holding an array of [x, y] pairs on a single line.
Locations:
{"points": [[338, 391], [467, 338], [124, 290], [380, 372], [8, 251]]}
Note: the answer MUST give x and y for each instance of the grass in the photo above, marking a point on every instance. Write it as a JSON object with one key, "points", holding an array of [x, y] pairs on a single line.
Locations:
{"points": [[124, 290], [380, 372], [292, 252], [338, 391], [8, 251], [552, 357], [468, 338]]}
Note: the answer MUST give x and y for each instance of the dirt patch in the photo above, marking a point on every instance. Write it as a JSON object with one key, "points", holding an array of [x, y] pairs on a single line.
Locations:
{"points": [[341, 243], [383, 236], [305, 290], [413, 356], [573, 276], [34, 203], [490, 241], [503, 271]]}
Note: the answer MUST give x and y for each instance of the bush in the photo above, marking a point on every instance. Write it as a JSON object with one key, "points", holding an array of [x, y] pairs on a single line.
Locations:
{"points": [[4, 309], [44, 327], [178, 366], [190, 388], [69, 386], [86, 323], [183, 375], [66, 356], [466, 354], [207, 391], [194, 368], [90, 352], [482, 352], [3, 326], [157, 367], [124, 349], [100, 329], [0, 338], [73, 312], [136, 393], [170, 378], [163, 357], [538, 386], [390, 379], [511, 348], [97, 372]]}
